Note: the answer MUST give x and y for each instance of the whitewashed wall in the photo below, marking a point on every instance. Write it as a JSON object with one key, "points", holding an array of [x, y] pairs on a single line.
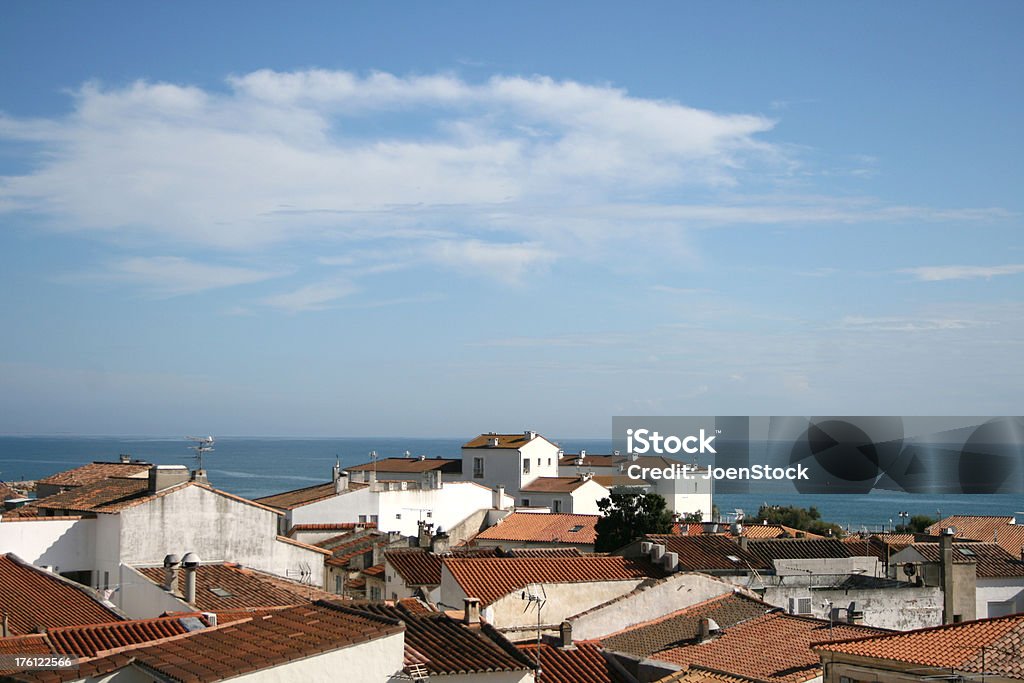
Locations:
{"points": [[64, 544]]}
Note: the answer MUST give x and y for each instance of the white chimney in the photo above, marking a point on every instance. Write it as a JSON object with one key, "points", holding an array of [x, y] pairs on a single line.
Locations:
{"points": [[499, 497], [471, 616], [191, 564]]}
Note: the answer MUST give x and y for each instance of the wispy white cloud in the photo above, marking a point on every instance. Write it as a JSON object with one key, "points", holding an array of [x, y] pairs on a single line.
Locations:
{"points": [[506, 262], [172, 275], [941, 273], [313, 297]]}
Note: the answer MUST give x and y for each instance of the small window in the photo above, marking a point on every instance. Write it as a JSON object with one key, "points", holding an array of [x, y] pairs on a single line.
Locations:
{"points": [[526, 502], [362, 519], [576, 529], [373, 519], [549, 462], [478, 468], [337, 584], [526, 466], [558, 505], [538, 462], [398, 515], [967, 552], [221, 592]]}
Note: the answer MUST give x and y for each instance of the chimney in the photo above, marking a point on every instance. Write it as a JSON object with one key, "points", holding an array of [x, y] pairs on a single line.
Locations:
{"points": [[494, 441], [946, 569], [744, 543], [341, 483], [471, 616], [125, 458], [853, 616], [565, 631], [5, 630], [165, 476], [530, 436], [440, 543], [498, 499], [423, 538], [211, 618], [336, 470], [171, 563], [191, 563], [703, 630]]}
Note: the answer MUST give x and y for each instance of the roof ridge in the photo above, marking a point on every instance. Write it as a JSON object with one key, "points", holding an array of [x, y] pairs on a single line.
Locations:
{"points": [[928, 629]]}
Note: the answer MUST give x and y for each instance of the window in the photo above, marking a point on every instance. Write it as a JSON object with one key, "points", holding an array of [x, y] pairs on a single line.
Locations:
{"points": [[526, 465], [106, 580], [337, 584], [362, 519], [558, 505], [549, 462], [526, 502], [373, 519], [398, 515], [538, 462], [374, 593], [576, 529], [478, 468]]}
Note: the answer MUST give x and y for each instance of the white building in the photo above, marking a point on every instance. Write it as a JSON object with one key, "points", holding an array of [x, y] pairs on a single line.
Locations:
{"points": [[570, 495], [90, 532], [510, 460], [394, 506]]}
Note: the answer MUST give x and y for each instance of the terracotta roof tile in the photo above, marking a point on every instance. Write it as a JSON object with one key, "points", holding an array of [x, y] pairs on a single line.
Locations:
{"points": [[538, 528], [684, 625], [228, 586], [34, 597], [89, 640], [773, 549], [712, 552], [700, 674], [741, 649], [299, 497], [257, 643], [410, 465], [492, 578], [582, 663], [554, 485], [97, 495], [592, 460], [332, 526], [991, 559], [418, 567], [504, 441], [95, 472], [952, 646], [974, 527], [445, 646]]}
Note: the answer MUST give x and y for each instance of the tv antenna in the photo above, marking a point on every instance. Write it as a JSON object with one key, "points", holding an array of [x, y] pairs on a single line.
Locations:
{"points": [[201, 445], [534, 595]]}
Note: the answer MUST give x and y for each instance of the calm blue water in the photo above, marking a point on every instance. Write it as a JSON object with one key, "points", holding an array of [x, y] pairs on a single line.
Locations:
{"points": [[257, 467]]}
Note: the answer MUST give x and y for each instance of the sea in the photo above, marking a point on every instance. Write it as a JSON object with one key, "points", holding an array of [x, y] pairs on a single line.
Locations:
{"points": [[254, 467]]}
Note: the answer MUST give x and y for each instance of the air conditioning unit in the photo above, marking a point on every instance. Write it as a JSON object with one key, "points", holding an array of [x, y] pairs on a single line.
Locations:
{"points": [[800, 606]]}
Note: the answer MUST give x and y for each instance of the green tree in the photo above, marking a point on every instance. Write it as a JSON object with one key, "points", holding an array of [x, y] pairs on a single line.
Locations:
{"points": [[798, 518], [917, 524], [629, 515]]}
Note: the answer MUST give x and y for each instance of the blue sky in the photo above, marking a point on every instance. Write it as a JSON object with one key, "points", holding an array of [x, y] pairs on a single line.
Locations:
{"points": [[439, 219]]}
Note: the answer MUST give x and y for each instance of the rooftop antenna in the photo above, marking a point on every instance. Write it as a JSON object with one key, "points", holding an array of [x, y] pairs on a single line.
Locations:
{"points": [[200, 444], [373, 460], [534, 594]]}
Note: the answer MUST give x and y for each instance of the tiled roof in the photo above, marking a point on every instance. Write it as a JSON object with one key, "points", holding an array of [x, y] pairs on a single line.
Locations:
{"points": [[299, 497], [684, 625], [961, 646], [94, 472], [612, 480], [492, 578], [775, 531], [992, 560], [228, 586], [445, 646], [410, 465], [89, 640], [345, 547], [260, 642], [504, 441], [775, 647], [7, 493], [1011, 537], [97, 495], [974, 527], [332, 526], [582, 663], [700, 674], [34, 597], [711, 552], [418, 567], [375, 570], [539, 528], [554, 485], [591, 460], [799, 549]]}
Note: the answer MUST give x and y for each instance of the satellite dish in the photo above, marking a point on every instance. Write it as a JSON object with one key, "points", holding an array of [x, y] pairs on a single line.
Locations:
{"points": [[909, 569]]}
